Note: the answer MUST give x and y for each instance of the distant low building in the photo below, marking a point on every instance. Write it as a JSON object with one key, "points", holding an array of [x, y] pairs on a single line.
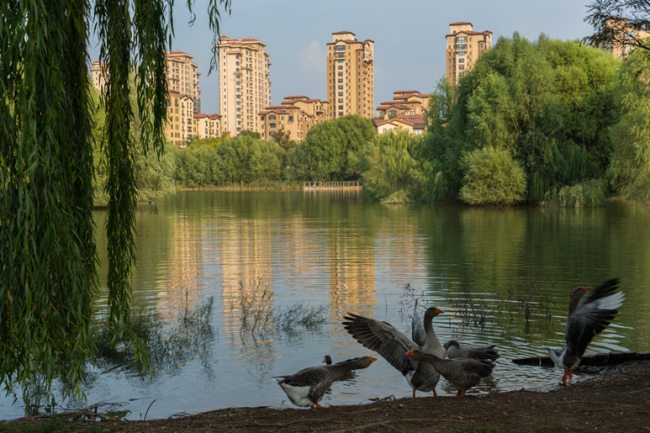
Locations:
{"points": [[464, 47], [297, 115], [414, 124], [405, 102], [207, 125], [98, 75], [624, 37]]}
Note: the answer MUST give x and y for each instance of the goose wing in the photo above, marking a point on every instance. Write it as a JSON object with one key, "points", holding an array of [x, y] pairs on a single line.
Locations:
{"points": [[310, 376], [418, 334], [476, 366], [479, 353], [383, 338], [593, 315]]}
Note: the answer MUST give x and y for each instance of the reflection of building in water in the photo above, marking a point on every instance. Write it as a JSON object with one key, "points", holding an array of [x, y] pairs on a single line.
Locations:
{"points": [[247, 272], [185, 270], [352, 282]]}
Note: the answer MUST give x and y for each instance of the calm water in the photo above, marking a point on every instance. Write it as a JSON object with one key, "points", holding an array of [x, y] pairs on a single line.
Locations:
{"points": [[337, 250]]}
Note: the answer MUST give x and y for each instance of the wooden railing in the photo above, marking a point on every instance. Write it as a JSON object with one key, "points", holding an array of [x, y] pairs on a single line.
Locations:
{"points": [[334, 184]]}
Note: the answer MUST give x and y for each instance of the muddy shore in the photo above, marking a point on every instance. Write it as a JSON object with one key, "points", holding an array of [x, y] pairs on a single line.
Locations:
{"points": [[617, 400]]}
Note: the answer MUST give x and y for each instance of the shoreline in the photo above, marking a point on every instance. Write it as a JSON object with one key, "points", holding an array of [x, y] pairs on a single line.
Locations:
{"points": [[615, 400]]}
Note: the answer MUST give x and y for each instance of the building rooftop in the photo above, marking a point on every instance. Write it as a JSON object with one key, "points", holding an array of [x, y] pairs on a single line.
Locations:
{"points": [[342, 33], [461, 23]]}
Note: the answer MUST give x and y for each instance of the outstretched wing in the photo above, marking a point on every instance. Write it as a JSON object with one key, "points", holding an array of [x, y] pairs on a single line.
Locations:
{"points": [[383, 338], [418, 334], [475, 366], [593, 315]]}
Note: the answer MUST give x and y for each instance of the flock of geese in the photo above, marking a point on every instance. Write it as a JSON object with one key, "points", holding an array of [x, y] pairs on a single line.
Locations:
{"points": [[422, 359]]}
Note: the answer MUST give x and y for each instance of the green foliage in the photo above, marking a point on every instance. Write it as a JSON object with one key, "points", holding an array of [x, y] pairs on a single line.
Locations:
{"points": [[283, 138], [330, 149], [240, 160], [547, 103], [48, 275], [630, 164], [398, 197], [390, 164], [586, 194], [252, 134], [492, 176]]}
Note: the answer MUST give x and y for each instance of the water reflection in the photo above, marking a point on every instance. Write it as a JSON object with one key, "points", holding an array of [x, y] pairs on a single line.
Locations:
{"points": [[257, 252]]}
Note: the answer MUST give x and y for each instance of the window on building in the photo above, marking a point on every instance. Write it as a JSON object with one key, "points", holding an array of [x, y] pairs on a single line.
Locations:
{"points": [[461, 67], [341, 55], [340, 48], [392, 113], [340, 114], [461, 60], [340, 101], [340, 80], [340, 107], [272, 125], [461, 74], [272, 133], [412, 112], [340, 66], [461, 40], [272, 117], [340, 87], [290, 118], [340, 93]]}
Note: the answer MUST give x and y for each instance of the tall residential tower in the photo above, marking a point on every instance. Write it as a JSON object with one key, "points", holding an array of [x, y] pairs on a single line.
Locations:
{"points": [[244, 85], [182, 75], [350, 76], [464, 47]]}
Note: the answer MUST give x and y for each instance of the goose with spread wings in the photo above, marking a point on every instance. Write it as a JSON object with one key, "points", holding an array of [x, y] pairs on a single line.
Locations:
{"points": [[308, 386], [585, 320], [392, 344]]}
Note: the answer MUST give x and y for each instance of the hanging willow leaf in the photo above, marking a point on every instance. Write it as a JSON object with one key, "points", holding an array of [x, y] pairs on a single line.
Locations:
{"points": [[48, 258]]}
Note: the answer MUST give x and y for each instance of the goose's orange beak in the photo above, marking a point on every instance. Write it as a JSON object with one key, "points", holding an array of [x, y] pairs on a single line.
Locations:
{"points": [[372, 359], [439, 311], [409, 353], [586, 288]]}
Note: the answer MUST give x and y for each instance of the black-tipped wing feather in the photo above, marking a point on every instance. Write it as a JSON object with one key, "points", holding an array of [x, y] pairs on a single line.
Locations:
{"points": [[592, 316], [383, 338]]}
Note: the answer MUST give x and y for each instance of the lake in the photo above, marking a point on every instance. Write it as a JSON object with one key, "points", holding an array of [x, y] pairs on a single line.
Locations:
{"points": [[502, 275]]}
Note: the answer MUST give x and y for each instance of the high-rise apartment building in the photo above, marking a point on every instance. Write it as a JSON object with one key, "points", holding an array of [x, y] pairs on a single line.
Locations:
{"points": [[182, 75], [244, 84], [350, 75], [623, 37], [464, 47]]}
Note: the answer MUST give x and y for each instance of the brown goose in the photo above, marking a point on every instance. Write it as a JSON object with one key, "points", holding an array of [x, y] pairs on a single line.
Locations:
{"points": [[454, 350], [584, 321], [462, 373], [392, 344], [308, 386]]}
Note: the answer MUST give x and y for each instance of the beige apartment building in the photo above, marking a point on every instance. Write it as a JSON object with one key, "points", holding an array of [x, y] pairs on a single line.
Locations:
{"points": [[624, 38], [207, 125], [180, 124], [414, 124], [404, 103], [297, 115], [98, 75], [182, 75], [350, 75], [244, 83], [464, 47]]}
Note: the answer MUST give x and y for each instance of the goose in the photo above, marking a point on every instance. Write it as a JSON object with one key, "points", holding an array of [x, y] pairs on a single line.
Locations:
{"points": [[347, 376], [454, 350], [392, 344], [462, 373], [308, 386], [584, 321]]}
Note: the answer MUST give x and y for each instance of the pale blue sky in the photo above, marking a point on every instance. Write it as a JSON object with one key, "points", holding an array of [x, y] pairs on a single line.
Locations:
{"points": [[408, 35]]}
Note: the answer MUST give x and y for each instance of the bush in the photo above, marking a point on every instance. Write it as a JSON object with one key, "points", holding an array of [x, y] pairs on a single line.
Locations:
{"points": [[492, 176], [590, 193]]}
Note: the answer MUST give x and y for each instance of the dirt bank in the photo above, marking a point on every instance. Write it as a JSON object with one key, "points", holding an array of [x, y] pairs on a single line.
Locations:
{"points": [[615, 401]]}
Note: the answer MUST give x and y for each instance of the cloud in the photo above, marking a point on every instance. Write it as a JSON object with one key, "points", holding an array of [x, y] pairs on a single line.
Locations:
{"points": [[313, 59]]}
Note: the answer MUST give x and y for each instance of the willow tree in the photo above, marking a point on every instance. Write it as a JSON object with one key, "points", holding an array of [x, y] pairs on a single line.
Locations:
{"points": [[48, 258]]}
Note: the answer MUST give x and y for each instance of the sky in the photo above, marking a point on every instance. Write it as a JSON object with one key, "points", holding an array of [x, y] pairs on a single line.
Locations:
{"points": [[409, 37]]}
